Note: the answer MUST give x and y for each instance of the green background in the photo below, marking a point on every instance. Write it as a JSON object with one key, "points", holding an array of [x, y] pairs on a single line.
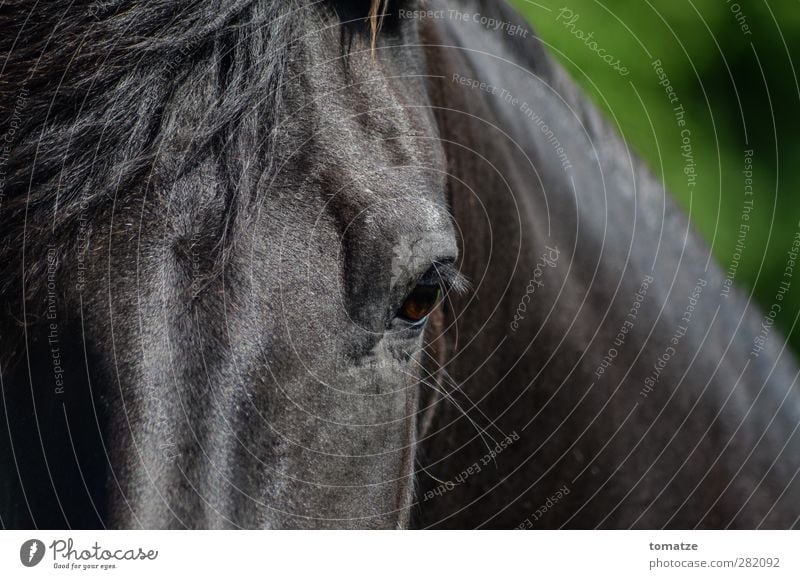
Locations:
{"points": [[739, 91]]}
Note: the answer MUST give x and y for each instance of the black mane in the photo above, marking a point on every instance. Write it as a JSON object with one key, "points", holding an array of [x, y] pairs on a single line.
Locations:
{"points": [[97, 98]]}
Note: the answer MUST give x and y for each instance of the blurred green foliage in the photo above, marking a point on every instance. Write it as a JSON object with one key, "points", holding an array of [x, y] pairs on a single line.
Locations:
{"points": [[732, 67]]}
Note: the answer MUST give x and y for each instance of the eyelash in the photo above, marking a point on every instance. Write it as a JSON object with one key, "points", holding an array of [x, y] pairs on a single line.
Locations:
{"points": [[430, 289]]}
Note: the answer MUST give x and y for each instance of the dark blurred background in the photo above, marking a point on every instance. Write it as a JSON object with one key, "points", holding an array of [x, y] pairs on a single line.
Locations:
{"points": [[732, 66]]}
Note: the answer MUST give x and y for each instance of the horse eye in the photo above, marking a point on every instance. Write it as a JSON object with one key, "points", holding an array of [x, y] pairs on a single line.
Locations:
{"points": [[420, 303]]}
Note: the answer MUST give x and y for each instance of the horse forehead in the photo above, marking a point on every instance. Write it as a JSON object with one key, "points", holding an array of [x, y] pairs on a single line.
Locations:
{"points": [[405, 230], [419, 213], [385, 86]]}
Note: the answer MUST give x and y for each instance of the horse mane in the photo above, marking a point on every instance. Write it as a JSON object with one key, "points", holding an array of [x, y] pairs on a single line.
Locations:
{"points": [[94, 96]]}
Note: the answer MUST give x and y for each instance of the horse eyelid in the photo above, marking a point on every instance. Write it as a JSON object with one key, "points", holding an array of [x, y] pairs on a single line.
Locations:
{"points": [[447, 276]]}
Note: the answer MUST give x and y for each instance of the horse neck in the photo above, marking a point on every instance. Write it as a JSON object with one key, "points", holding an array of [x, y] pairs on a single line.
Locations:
{"points": [[612, 311]]}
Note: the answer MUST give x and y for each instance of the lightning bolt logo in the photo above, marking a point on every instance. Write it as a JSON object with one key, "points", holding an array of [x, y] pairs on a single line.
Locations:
{"points": [[32, 552]]}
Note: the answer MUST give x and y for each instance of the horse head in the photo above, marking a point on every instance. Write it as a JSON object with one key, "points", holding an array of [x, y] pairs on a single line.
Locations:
{"points": [[349, 263]]}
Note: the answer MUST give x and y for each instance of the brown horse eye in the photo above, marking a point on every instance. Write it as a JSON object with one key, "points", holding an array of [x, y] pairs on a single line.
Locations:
{"points": [[420, 303]]}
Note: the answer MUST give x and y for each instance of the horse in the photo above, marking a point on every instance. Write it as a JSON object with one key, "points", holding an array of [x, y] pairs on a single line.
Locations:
{"points": [[357, 264]]}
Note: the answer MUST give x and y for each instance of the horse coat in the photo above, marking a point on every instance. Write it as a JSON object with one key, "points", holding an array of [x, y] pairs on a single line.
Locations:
{"points": [[223, 227]]}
